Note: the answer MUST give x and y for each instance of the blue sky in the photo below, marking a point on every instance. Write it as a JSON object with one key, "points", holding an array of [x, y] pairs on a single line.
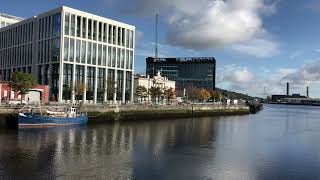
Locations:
{"points": [[258, 44]]}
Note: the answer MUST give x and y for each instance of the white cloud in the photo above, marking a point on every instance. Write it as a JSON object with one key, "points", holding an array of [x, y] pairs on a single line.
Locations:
{"points": [[207, 24], [307, 74], [260, 48]]}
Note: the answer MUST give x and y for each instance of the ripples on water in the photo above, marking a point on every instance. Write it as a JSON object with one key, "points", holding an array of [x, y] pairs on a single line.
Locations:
{"points": [[281, 142]]}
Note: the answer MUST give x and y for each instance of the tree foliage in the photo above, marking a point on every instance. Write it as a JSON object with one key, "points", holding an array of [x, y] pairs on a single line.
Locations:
{"points": [[155, 93], [141, 92], [169, 94], [215, 95], [22, 82], [79, 89], [203, 94]]}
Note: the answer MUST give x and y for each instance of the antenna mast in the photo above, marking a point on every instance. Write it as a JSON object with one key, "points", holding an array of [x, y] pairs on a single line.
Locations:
{"points": [[156, 50]]}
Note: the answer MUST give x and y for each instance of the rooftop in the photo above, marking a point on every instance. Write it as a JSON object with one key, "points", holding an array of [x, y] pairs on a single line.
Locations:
{"points": [[11, 17], [183, 59]]}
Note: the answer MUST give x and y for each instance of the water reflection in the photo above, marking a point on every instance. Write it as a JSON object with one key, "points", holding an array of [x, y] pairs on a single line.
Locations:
{"points": [[279, 143]]}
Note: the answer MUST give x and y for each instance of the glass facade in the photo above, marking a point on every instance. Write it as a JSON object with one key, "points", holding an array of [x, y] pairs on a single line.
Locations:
{"points": [[70, 44], [187, 72]]}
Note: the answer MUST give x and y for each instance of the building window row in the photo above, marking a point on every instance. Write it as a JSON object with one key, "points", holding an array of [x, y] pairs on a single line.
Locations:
{"points": [[16, 56], [6, 74], [79, 51], [99, 78], [16, 35], [50, 26], [82, 27]]}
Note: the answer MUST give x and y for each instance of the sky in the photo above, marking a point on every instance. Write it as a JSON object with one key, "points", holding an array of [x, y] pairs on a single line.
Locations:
{"points": [[259, 45]]}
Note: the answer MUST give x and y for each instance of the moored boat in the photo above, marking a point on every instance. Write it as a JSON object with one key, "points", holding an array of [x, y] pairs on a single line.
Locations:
{"points": [[70, 116]]}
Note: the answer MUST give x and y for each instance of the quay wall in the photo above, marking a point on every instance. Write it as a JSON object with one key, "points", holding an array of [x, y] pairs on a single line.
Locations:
{"points": [[110, 113]]}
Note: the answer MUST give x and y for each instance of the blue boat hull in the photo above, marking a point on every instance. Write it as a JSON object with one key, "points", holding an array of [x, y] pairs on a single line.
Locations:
{"points": [[30, 120]]}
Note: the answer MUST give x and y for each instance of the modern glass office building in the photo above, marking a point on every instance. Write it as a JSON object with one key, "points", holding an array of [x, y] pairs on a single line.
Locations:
{"points": [[66, 49], [6, 20], [193, 72]]}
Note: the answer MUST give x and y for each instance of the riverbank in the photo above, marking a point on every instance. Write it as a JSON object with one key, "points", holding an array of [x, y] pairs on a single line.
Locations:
{"points": [[110, 113]]}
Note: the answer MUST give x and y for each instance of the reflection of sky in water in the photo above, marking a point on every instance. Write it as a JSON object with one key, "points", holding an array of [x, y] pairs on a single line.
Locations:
{"points": [[277, 143]]}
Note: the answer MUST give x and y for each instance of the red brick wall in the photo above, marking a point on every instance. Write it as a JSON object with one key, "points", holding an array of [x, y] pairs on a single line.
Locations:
{"points": [[44, 92]]}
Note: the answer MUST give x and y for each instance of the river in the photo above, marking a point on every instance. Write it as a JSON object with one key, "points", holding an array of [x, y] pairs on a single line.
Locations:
{"points": [[281, 142]]}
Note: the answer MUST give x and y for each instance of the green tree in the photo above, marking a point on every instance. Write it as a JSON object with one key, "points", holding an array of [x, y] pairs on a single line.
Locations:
{"points": [[155, 93], [79, 89], [169, 94], [141, 92], [215, 95], [22, 83], [193, 94]]}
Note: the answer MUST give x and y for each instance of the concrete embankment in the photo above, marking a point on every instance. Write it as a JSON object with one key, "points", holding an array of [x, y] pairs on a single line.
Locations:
{"points": [[109, 113], [128, 113]]}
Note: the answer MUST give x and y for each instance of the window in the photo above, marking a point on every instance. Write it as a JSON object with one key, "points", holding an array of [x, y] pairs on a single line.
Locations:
{"points": [[89, 29], [127, 38], [67, 81], [114, 34], [105, 31], [118, 57], [84, 27], [73, 24], [90, 82], [119, 84], [66, 49], [78, 45], [109, 34], [71, 50], [122, 57], [104, 57], [119, 36], [100, 31], [55, 50], [83, 52], [89, 53], [67, 23], [94, 53], [78, 26], [101, 84], [131, 39], [94, 29], [56, 23], [99, 54], [123, 36], [114, 53], [109, 56]]}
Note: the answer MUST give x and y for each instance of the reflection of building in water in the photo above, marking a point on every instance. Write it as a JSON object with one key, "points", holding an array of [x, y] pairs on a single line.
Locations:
{"points": [[106, 151]]}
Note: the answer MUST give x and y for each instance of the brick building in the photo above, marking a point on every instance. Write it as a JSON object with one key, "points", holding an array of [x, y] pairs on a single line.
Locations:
{"points": [[40, 93]]}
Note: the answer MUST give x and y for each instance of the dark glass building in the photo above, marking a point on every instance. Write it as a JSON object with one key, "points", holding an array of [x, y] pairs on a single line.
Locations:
{"points": [[196, 72]]}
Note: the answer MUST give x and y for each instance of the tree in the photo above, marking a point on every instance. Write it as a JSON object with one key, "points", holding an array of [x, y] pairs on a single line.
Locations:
{"points": [[215, 95], [111, 87], [193, 94], [169, 94], [203, 94], [141, 92], [79, 89], [155, 93], [22, 83]]}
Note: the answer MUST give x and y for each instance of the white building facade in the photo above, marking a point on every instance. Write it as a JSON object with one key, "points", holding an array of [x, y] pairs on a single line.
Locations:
{"points": [[64, 47], [157, 81], [6, 20]]}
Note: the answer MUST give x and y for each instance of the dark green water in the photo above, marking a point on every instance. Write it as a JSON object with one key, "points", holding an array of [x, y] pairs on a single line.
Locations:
{"points": [[281, 142]]}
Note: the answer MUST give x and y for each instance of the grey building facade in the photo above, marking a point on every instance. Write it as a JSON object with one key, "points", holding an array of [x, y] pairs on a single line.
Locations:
{"points": [[65, 47]]}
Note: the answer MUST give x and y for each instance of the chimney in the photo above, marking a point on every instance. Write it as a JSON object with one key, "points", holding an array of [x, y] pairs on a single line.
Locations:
{"points": [[287, 88], [307, 91]]}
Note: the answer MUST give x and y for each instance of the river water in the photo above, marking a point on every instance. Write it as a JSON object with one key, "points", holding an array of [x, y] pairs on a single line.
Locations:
{"points": [[281, 142]]}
